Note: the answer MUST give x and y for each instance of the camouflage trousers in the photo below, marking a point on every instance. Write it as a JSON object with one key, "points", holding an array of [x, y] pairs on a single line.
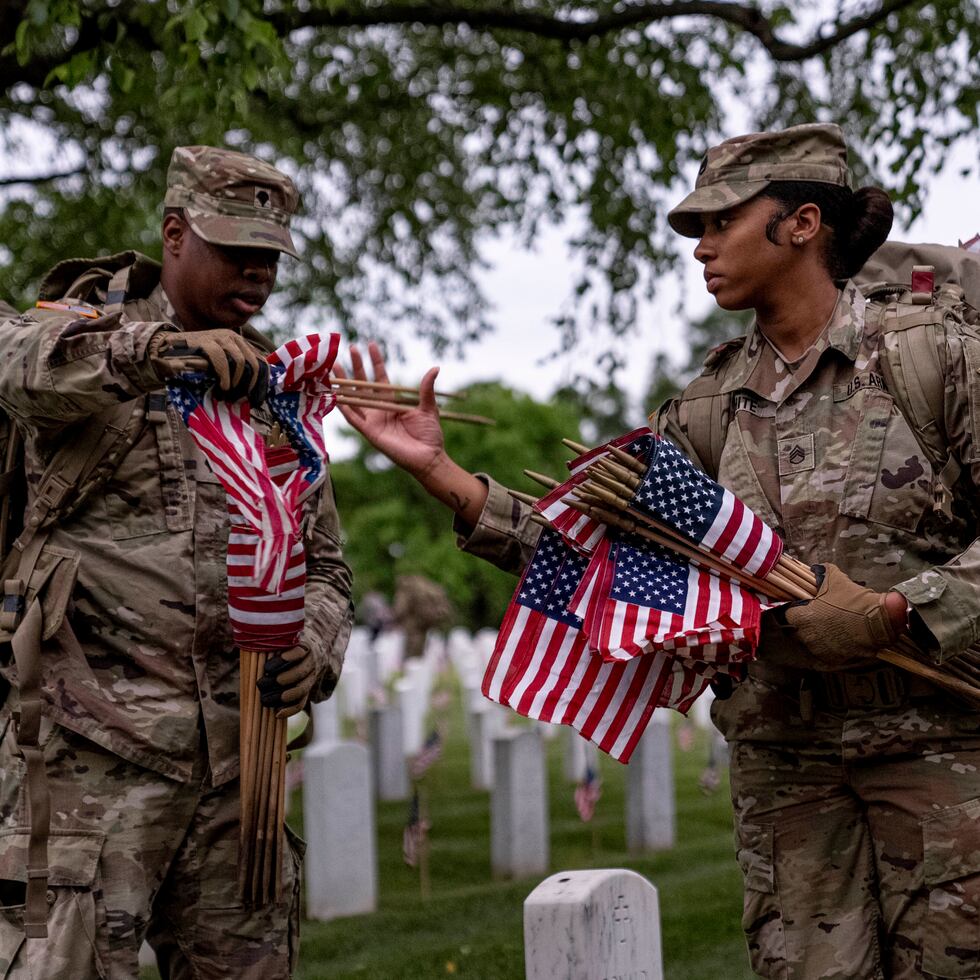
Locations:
{"points": [[858, 835], [134, 855]]}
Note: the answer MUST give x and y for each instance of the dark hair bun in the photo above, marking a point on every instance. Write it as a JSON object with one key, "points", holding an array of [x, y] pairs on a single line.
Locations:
{"points": [[871, 216]]}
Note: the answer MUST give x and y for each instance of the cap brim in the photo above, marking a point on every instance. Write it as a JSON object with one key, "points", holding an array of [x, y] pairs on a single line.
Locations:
{"points": [[237, 232], [685, 219]]}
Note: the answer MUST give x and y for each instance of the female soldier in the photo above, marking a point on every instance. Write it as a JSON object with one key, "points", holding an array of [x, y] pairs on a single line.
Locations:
{"points": [[856, 787]]}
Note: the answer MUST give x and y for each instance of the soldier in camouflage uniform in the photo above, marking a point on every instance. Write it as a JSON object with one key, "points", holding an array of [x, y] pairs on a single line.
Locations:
{"points": [[140, 678], [420, 605], [856, 786]]}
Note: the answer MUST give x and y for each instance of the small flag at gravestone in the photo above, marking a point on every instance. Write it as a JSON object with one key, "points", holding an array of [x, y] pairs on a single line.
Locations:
{"points": [[427, 756], [414, 835], [587, 794]]}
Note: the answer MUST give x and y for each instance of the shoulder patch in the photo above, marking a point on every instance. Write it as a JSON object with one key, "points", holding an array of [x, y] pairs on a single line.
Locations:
{"points": [[80, 309], [723, 351]]}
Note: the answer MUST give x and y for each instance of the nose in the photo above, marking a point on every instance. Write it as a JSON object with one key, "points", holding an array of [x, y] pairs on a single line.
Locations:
{"points": [[259, 266], [704, 250]]}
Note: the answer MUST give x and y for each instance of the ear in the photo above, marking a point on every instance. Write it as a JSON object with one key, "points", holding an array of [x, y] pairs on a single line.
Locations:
{"points": [[805, 224], [174, 232]]}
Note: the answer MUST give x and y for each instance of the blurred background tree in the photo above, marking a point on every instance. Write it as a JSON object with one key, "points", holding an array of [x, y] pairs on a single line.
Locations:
{"points": [[392, 526], [418, 129]]}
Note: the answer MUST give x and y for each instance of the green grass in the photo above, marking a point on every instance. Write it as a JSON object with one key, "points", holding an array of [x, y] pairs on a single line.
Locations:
{"points": [[470, 926]]}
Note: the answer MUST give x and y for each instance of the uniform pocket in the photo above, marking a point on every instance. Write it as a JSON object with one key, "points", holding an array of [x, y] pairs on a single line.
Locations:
{"points": [[889, 478], [951, 872], [76, 920], [762, 918], [134, 496]]}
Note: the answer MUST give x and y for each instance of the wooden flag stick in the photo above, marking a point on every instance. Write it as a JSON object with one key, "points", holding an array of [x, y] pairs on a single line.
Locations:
{"points": [[630, 462], [390, 406], [268, 881], [526, 498], [545, 481], [281, 809], [394, 389], [576, 447]]}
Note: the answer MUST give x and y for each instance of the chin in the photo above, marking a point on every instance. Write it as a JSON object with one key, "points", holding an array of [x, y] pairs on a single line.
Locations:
{"points": [[733, 304]]}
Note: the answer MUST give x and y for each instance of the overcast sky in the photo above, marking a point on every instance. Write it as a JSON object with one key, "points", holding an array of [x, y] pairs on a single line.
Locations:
{"points": [[529, 287]]}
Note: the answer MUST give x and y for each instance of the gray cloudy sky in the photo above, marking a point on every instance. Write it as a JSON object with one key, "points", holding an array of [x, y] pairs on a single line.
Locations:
{"points": [[529, 287]]}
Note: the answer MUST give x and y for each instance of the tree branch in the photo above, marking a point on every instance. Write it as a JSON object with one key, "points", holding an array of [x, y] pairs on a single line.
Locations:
{"points": [[745, 16], [40, 179]]}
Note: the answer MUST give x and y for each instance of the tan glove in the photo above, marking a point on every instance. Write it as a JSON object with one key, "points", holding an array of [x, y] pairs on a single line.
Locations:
{"points": [[240, 371], [844, 624]]}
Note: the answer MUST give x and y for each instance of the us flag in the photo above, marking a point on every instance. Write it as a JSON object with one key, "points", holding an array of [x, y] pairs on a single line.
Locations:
{"points": [[260, 619], [647, 597], [267, 488], [587, 794], [542, 667], [676, 493]]}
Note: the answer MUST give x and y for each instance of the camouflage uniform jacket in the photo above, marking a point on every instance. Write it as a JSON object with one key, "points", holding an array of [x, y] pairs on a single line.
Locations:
{"points": [[821, 452], [156, 665]]}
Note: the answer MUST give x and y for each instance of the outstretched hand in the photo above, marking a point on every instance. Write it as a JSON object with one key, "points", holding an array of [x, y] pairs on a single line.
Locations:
{"points": [[410, 439]]}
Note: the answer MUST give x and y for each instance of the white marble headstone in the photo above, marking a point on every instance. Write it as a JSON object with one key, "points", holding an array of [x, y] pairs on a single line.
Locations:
{"points": [[519, 842], [388, 763], [650, 800], [338, 820], [602, 924]]}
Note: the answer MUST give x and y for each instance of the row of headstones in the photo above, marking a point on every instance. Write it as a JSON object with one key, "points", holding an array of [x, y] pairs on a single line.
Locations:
{"points": [[342, 779], [508, 761]]}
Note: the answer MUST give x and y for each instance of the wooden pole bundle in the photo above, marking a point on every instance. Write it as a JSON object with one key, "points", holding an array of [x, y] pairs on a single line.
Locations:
{"points": [[607, 495], [262, 743], [262, 748]]}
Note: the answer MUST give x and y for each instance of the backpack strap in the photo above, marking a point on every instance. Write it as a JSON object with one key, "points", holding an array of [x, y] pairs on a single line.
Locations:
{"points": [[704, 410], [79, 468], [915, 373], [26, 646]]}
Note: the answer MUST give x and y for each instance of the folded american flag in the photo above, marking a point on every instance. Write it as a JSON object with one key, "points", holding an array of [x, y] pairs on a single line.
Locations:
{"points": [[267, 488], [542, 666], [646, 597]]}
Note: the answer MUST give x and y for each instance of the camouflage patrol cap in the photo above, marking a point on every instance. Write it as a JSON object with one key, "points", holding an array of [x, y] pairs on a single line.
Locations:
{"points": [[230, 198], [735, 171]]}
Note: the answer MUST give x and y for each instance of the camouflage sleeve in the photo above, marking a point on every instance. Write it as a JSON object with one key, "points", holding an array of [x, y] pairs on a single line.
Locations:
{"points": [[947, 597], [329, 611], [56, 369], [504, 535]]}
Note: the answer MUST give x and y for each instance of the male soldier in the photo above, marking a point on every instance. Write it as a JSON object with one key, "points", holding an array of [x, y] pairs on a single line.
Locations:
{"points": [[125, 547]]}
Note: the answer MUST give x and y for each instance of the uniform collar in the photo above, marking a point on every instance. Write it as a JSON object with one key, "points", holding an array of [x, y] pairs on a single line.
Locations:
{"points": [[256, 337], [844, 332]]}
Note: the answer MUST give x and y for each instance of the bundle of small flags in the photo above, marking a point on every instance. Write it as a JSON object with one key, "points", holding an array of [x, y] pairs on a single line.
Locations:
{"points": [[271, 487], [648, 581]]}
